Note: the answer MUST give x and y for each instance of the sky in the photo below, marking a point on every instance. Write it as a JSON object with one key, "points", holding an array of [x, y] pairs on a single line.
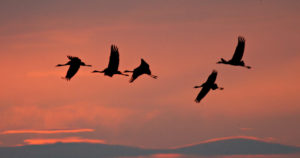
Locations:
{"points": [[181, 40]]}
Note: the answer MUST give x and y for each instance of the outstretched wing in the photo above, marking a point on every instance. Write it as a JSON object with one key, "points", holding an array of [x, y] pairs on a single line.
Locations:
{"points": [[144, 64], [72, 71], [136, 73], [202, 93], [212, 77], [114, 58], [239, 51]]}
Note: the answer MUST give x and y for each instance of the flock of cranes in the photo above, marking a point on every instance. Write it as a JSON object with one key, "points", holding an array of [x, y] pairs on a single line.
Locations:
{"points": [[143, 68]]}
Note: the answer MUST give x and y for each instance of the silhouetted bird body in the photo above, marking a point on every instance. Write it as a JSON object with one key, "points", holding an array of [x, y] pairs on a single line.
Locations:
{"points": [[75, 64], [236, 60], [209, 84], [113, 64], [143, 68]]}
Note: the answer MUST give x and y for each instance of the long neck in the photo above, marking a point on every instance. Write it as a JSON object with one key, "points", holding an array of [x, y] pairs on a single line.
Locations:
{"points": [[128, 71], [86, 65], [83, 64], [98, 71], [62, 64]]}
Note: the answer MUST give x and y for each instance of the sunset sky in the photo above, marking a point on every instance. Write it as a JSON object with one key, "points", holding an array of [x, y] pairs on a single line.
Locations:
{"points": [[181, 40]]}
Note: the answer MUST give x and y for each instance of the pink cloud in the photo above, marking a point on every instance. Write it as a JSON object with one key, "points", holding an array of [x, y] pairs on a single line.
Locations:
{"points": [[46, 131], [62, 140]]}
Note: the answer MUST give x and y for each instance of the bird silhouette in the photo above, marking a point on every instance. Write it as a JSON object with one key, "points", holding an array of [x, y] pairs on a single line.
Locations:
{"points": [[75, 64], [209, 84], [236, 60], [143, 68], [113, 64]]}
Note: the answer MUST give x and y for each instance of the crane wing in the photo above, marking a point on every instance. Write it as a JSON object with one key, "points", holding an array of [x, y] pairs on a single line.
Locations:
{"points": [[143, 68], [72, 71], [202, 93], [136, 73], [212, 77], [114, 58], [144, 64], [239, 51]]}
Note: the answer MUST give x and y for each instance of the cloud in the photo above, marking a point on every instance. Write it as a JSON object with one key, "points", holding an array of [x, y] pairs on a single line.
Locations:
{"points": [[63, 116], [47, 131], [62, 140]]}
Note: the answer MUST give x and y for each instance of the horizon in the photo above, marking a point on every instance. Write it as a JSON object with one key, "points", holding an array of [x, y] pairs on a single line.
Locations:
{"points": [[226, 147], [86, 141]]}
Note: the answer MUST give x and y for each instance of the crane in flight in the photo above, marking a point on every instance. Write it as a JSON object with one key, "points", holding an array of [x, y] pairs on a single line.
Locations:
{"points": [[236, 60], [209, 84], [75, 64], [143, 68], [113, 64]]}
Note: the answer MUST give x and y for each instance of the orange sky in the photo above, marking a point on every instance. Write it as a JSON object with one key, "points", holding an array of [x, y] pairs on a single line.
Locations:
{"points": [[181, 40]]}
